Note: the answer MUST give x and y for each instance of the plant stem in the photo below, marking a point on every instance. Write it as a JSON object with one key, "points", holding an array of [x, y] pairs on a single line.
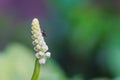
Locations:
{"points": [[36, 70]]}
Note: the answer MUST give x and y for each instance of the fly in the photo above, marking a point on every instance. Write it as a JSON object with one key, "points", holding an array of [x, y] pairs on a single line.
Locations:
{"points": [[43, 33]]}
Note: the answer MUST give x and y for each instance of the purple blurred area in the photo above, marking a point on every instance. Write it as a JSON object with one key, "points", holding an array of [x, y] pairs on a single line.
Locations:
{"points": [[24, 8]]}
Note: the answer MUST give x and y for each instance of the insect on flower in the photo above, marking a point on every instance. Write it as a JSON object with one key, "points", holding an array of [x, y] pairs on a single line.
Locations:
{"points": [[43, 33]]}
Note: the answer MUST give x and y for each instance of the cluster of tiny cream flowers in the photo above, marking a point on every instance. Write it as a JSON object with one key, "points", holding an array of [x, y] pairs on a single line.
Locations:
{"points": [[38, 42]]}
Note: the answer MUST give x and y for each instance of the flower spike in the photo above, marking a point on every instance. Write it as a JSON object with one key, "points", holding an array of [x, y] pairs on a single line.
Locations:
{"points": [[38, 42]]}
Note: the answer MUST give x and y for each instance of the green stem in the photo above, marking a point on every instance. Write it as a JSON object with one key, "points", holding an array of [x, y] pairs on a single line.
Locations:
{"points": [[36, 70]]}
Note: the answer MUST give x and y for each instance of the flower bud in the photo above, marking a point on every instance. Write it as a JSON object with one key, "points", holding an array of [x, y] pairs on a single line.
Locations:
{"points": [[42, 61], [47, 54]]}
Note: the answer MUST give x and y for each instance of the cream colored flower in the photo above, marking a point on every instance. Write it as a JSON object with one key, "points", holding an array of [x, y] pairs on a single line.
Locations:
{"points": [[38, 42], [42, 61]]}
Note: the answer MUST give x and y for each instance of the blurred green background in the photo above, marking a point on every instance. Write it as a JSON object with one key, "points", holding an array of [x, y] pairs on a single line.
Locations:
{"points": [[83, 37]]}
